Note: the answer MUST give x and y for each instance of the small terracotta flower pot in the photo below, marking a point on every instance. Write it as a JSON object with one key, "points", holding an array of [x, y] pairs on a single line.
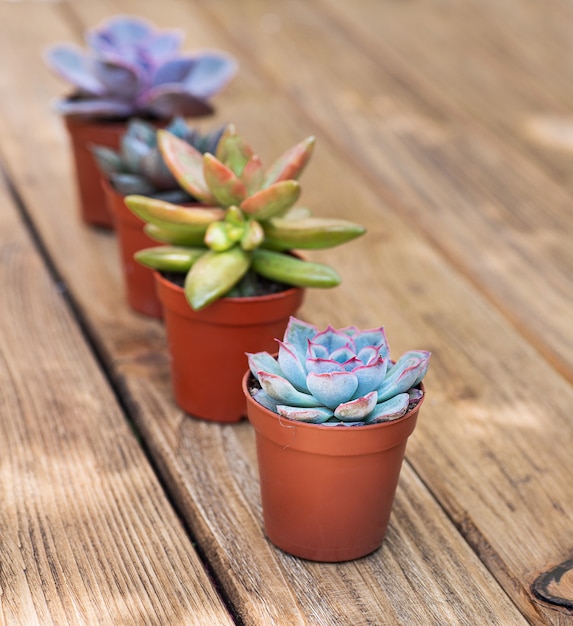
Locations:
{"points": [[208, 347], [82, 133], [327, 491], [139, 282]]}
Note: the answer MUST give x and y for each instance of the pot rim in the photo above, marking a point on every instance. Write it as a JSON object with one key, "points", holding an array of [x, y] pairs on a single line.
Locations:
{"points": [[329, 440]]}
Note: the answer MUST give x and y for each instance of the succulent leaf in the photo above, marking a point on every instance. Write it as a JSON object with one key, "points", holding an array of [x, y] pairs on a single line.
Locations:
{"points": [[332, 388], [169, 258], [127, 184], [272, 201], [213, 275], [186, 164], [284, 392], [288, 269], [260, 361], [164, 213], [227, 188], [292, 366], [390, 409], [407, 372], [108, 160], [358, 409], [218, 236], [291, 164], [253, 236], [177, 235], [315, 415], [234, 151], [312, 233]]}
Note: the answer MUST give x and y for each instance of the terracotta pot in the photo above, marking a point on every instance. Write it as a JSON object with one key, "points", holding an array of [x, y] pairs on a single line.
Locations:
{"points": [[83, 132], [327, 491], [138, 280], [208, 347]]}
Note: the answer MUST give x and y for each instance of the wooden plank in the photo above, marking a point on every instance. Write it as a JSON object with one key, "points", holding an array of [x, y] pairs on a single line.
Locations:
{"points": [[87, 533], [424, 573], [490, 210]]}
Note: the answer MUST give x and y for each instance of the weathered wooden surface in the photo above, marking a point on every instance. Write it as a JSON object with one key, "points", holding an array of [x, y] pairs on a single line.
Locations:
{"points": [[468, 254], [86, 534]]}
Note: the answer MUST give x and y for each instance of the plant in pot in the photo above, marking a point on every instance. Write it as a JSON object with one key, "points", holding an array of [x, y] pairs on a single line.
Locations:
{"points": [[129, 69], [228, 280], [137, 167], [332, 414]]}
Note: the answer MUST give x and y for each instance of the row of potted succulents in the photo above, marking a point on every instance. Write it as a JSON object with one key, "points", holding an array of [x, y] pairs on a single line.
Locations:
{"points": [[208, 238]]}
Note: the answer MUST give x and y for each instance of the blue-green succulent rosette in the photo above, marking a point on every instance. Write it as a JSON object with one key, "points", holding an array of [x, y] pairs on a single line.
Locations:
{"points": [[337, 377]]}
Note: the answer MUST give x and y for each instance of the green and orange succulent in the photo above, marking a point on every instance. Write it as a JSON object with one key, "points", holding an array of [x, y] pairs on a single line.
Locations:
{"points": [[247, 222]]}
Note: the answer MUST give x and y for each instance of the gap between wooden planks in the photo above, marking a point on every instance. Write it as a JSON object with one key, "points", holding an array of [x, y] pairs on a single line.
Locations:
{"points": [[87, 534]]}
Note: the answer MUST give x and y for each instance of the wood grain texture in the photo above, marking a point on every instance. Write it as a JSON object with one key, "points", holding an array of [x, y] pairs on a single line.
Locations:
{"points": [[504, 214], [87, 535], [485, 447]]}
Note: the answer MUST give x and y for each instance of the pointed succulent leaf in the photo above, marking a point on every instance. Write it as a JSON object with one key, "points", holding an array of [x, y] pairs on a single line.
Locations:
{"points": [[284, 392], [298, 334], [164, 213], [253, 235], [292, 367], [313, 415], [263, 361], [356, 410], [233, 151], [389, 409], [253, 174], [407, 372], [213, 275], [169, 258], [108, 160], [186, 164], [223, 183], [186, 235], [127, 184], [291, 164], [333, 388], [288, 269], [310, 233], [273, 200]]}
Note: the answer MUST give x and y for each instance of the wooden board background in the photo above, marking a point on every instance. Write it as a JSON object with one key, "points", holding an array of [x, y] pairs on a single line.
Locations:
{"points": [[459, 208]]}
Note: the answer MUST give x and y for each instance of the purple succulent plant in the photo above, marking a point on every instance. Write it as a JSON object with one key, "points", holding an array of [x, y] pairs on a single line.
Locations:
{"points": [[132, 68], [337, 376]]}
